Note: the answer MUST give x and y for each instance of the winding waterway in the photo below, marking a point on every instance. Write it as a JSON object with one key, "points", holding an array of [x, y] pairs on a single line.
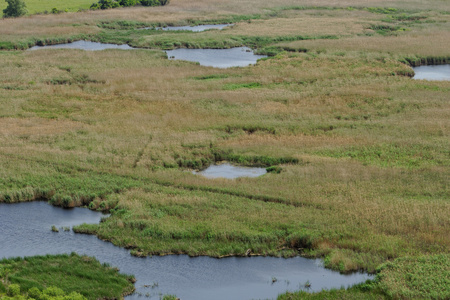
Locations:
{"points": [[84, 45], [197, 28], [26, 231], [219, 58]]}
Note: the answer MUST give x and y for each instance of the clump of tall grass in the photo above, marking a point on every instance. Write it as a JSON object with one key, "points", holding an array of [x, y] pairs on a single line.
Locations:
{"points": [[256, 160], [26, 194], [427, 60]]}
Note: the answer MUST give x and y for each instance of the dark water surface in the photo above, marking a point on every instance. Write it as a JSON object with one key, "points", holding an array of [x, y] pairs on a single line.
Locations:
{"points": [[439, 72], [197, 28], [84, 45], [219, 58], [25, 231], [231, 172]]}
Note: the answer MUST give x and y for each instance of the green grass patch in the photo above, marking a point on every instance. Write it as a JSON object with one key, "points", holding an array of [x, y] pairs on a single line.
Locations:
{"points": [[167, 40], [249, 129], [426, 277], [386, 29], [256, 160], [46, 6], [382, 10], [66, 187], [416, 61], [366, 290], [236, 86], [393, 155], [69, 273], [211, 77], [24, 44]]}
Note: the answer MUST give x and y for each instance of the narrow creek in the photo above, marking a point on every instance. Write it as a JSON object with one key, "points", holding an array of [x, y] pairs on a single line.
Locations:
{"points": [[26, 231], [198, 28], [84, 45], [218, 58]]}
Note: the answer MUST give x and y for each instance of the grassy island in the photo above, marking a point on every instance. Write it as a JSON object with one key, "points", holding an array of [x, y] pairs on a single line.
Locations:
{"points": [[70, 277]]}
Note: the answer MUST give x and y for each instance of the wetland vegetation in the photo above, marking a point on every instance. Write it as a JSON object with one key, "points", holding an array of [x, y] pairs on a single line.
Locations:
{"points": [[360, 149], [68, 277], [244, 277]]}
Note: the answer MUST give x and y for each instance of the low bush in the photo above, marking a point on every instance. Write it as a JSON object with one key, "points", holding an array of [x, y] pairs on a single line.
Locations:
{"points": [[13, 290]]}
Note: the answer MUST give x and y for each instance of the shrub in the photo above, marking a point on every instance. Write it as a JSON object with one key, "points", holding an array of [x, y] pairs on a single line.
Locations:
{"points": [[150, 2], [105, 4], [34, 293], [53, 291], [95, 6], [274, 169], [128, 2], [15, 8], [13, 290], [154, 2], [74, 296]]}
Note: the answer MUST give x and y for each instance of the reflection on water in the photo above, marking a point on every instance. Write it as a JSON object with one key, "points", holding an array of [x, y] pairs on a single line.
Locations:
{"points": [[230, 171], [84, 45], [25, 231], [219, 58], [440, 72]]}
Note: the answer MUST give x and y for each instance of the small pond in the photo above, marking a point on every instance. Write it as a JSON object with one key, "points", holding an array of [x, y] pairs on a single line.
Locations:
{"points": [[84, 45], [230, 172], [439, 72], [197, 28], [219, 58], [25, 231]]}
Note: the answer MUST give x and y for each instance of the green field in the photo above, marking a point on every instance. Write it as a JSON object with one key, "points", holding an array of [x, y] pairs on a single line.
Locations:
{"points": [[362, 149], [46, 6]]}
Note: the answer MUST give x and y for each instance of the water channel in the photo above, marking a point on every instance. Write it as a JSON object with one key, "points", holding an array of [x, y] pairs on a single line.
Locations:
{"points": [[438, 72], [197, 28], [230, 172], [84, 45], [219, 58], [26, 231]]}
